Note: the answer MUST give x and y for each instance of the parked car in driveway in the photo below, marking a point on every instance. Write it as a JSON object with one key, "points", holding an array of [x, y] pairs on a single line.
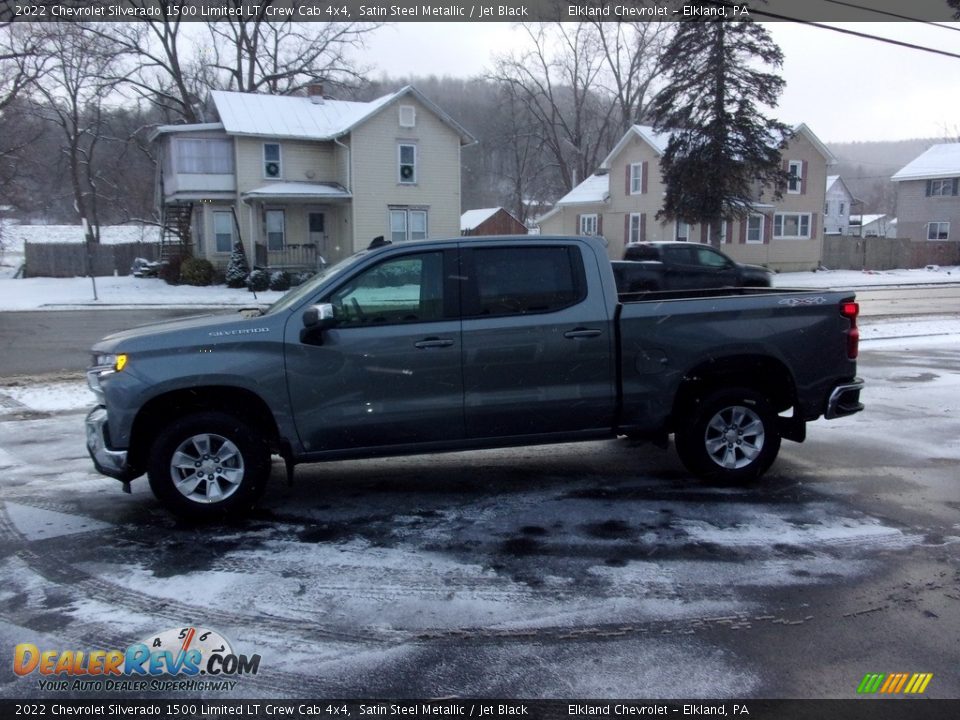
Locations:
{"points": [[683, 266], [445, 345]]}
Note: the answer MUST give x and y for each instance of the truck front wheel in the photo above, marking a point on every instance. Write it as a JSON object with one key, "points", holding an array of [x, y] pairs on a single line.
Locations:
{"points": [[731, 438], [208, 465]]}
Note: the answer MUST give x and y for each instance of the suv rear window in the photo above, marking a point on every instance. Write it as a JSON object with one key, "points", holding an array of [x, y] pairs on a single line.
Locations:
{"points": [[641, 252]]}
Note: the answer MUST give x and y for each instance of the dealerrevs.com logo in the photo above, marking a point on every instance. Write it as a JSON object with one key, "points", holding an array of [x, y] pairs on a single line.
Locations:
{"points": [[187, 658]]}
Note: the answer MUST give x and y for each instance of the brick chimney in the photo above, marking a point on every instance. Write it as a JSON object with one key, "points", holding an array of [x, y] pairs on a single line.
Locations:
{"points": [[315, 93]]}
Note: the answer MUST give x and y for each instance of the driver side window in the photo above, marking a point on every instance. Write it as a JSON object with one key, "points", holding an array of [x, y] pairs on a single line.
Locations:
{"points": [[399, 290]]}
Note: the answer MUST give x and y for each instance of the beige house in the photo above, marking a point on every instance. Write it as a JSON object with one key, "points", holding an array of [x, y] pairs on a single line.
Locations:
{"points": [[621, 201], [928, 195], [305, 181]]}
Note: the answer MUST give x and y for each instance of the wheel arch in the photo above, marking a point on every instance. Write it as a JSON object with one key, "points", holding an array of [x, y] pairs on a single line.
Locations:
{"points": [[762, 373], [160, 410]]}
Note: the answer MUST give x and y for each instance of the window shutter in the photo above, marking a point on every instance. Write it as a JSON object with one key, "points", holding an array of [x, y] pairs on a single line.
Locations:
{"points": [[643, 177], [813, 225], [803, 177], [929, 188], [703, 232], [643, 223], [767, 229], [627, 183], [579, 229], [600, 224], [626, 228], [956, 186], [743, 230]]}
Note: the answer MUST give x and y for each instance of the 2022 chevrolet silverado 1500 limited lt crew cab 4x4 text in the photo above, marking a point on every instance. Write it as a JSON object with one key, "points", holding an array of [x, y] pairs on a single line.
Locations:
{"points": [[443, 345]]}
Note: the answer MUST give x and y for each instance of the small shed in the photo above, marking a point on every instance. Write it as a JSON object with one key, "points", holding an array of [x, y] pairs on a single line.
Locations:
{"points": [[490, 221]]}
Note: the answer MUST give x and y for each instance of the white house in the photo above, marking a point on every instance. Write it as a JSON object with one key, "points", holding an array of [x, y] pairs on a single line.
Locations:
{"points": [[837, 207], [305, 180]]}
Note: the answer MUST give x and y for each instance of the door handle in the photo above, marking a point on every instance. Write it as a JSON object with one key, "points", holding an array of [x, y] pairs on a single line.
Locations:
{"points": [[581, 333], [427, 343]]}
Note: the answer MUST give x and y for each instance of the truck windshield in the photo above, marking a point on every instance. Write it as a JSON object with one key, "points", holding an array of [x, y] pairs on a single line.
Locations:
{"points": [[301, 292]]}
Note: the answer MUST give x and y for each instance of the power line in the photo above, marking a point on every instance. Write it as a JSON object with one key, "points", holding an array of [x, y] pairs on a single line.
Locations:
{"points": [[856, 33], [887, 13], [847, 31]]}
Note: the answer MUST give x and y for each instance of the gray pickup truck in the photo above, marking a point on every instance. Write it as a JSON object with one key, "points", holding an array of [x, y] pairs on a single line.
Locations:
{"points": [[457, 344]]}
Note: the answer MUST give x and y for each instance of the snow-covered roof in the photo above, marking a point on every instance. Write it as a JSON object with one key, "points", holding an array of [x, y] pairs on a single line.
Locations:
{"points": [[658, 141], [594, 189], [865, 219], [304, 118], [294, 190], [940, 161], [472, 218], [192, 128]]}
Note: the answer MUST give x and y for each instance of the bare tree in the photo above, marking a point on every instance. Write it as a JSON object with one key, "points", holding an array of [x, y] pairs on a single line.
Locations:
{"points": [[584, 84], [255, 52], [167, 73], [556, 82], [632, 53], [82, 75], [21, 62]]}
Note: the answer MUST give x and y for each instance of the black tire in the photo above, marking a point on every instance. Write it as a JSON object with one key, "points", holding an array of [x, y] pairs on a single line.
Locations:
{"points": [[231, 459], [732, 437]]}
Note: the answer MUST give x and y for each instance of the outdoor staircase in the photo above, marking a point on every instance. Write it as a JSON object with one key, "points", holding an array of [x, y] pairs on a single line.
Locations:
{"points": [[175, 237]]}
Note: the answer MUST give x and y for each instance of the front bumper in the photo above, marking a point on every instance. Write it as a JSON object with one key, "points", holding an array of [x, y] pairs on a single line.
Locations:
{"points": [[844, 400], [109, 462]]}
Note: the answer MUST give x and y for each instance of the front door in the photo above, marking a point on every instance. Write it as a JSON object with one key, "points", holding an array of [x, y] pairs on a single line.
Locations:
{"points": [[390, 372], [317, 236]]}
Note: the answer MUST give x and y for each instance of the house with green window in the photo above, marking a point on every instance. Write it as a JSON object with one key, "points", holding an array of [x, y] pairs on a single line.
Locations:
{"points": [[621, 201], [303, 181]]}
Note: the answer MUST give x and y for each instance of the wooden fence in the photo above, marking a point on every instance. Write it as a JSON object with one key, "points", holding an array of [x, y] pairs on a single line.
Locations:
{"points": [[849, 252], [69, 259]]}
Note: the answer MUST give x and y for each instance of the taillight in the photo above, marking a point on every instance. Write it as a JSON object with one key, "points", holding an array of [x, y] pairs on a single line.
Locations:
{"points": [[850, 310]]}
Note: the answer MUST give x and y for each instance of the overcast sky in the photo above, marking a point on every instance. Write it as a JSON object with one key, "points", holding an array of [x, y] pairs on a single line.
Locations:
{"points": [[844, 88]]}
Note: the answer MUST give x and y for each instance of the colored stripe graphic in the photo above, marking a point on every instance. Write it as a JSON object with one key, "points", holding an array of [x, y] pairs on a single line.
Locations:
{"points": [[894, 683]]}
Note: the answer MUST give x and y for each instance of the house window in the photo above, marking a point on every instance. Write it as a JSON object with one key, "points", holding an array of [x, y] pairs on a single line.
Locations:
{"points": [[223, 231], [755, 229], [588, 224], [272, 166], [636, 178], [723, 232], [795, 181], [938, 231], [942, 188], [636, 225], [791, 226], [408, 116], [407, 224], [276, 229], [683, 231], [204, 156], [407, 161], [843, 208], [826, 208]]}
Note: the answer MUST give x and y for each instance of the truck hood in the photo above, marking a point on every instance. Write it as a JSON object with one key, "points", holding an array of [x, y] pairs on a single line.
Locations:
{"points": [[170, 333]]}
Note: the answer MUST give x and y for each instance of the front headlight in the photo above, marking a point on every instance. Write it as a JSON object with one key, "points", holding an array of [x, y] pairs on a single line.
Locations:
{"points": [[104, 365], [113, 362]]}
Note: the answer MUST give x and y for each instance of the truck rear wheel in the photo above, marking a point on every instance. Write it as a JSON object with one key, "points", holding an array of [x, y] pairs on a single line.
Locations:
{"points": [[208, 465], [732, 437]]}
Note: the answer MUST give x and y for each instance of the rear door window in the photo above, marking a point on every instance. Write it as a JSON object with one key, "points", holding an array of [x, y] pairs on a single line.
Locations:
{"points": [[524, 280]]}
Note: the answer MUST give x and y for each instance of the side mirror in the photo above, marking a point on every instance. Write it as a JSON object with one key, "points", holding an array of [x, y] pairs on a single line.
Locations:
{"points": [[316, 319]]}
